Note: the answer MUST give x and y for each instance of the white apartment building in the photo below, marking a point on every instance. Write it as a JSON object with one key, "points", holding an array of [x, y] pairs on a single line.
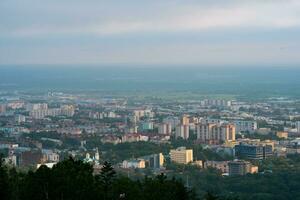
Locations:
{"points": [[182, 131], [140, 164], [165, 129], [245, 126]]}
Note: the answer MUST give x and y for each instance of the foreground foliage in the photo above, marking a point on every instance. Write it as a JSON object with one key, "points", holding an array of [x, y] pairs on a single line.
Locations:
{"points": [[72, 179]]}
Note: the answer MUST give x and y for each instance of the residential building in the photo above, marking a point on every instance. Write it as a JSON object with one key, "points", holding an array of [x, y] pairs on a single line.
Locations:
{"points": [[147, 126], [111, 139], [2, 108], [293, 147], [165, 128], [20, 119], [215, 102], [185, 120], [220, 165], [215, 133], [50, 156], [49, 165], [182, 131], [174, 121], [40, 111], [282, 134], [241, 167], [181, 155], [30, 158], [135, 164], [131, 137], [245, 126], [36, 106], [156, 161], [253, 151], [67, 110]]}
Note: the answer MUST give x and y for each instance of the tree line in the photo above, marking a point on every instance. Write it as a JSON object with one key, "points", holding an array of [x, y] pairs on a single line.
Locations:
{"points": [[74, 180]]}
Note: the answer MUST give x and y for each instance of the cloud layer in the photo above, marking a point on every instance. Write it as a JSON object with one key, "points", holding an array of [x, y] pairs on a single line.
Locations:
{"points": [[159, 32]]}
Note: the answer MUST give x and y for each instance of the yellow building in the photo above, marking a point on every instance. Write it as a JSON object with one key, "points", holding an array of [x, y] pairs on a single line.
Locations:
{"points": [[181, 155], [254, 169], [282, 134], [185, 120]]}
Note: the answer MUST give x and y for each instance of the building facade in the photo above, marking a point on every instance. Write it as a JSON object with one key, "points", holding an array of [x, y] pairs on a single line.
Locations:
{"points": [[182, 131], [181, 155], [165, 129], [253, 151], [241, 167], [214, 133]]}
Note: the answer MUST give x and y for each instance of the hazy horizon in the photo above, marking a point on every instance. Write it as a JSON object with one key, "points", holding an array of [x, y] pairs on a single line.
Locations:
{"points": [[250, 82]]}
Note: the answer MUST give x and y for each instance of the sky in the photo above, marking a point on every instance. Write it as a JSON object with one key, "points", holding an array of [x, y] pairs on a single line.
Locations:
{"points": [[150, 32]]}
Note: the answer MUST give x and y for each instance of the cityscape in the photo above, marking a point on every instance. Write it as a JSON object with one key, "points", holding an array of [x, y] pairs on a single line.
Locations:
{"points": [[148, 137], [150, 100]]}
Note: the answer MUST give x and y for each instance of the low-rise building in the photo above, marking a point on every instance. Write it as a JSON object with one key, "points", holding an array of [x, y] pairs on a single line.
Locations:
{"points": [[181, 155], [220, 165], [245, 126], [135, 164], [282, 134], [241, 167], [253, 151]]}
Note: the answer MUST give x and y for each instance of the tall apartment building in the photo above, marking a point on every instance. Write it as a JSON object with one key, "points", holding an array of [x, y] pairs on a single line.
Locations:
{"points": [[67, 110], [298, 126], [36, 106], [20, 118], [181, 155], [143, 113], [215, 102], [211, 132], [185, 120], [2, 108], [165, 129], [174, 121], [147, 126], [39, 111], [182, 131]]}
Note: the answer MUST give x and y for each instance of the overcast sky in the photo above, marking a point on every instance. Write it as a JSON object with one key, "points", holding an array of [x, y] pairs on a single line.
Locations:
{"points": [[204, 32]]}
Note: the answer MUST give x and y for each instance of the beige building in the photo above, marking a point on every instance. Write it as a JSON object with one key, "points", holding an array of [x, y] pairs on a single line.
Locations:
{"points": [[282, 134], [185, 120], [181, 155], [212, 132]]}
